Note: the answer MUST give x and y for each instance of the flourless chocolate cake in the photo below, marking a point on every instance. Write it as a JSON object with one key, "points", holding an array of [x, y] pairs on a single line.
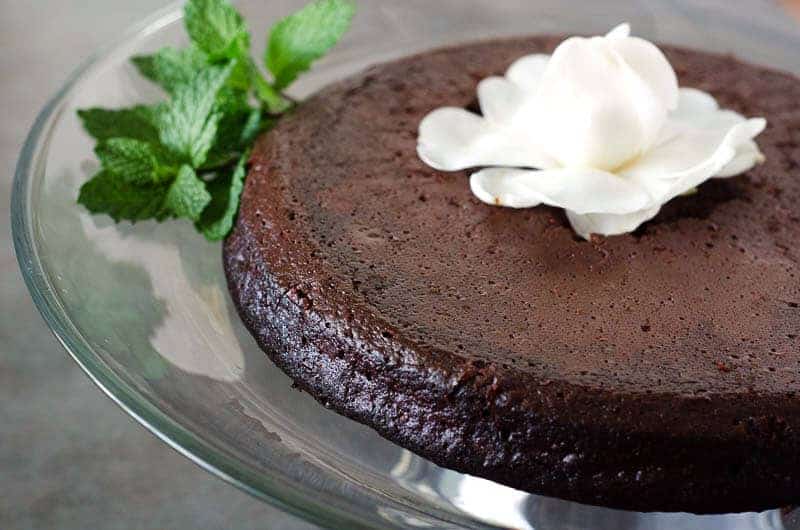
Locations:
{"points": [[657, 370]]}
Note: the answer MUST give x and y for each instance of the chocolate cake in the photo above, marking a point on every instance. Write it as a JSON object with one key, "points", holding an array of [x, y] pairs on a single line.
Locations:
{"points": [[657, 370]]}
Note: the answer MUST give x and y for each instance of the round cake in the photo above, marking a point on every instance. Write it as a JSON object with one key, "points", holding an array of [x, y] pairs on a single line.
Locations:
{"points": [[657, 370]]}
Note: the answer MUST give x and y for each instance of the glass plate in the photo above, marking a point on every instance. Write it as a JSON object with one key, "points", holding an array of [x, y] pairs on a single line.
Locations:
{"points": [[145, 311]]}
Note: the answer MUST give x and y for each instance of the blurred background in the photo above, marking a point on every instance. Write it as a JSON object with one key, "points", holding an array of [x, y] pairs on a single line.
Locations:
{"points": [[793, 7], [69, 457]]}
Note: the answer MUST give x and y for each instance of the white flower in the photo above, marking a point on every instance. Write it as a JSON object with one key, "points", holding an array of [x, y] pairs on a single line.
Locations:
{"points": [[600, 128]]}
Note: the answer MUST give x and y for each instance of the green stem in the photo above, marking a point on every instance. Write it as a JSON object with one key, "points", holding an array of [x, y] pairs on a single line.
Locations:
{"points": [[275, 102]]}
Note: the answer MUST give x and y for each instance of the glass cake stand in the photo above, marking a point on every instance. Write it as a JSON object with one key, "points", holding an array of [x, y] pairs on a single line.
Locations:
{"points": [[145, 311]]}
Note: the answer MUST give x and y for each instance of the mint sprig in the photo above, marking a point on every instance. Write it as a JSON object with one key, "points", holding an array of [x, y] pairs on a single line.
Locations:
{"points": [[187, 157]]}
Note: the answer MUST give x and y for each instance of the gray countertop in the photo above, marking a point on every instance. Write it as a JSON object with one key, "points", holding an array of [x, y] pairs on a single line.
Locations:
{"points": [[69, 457]]}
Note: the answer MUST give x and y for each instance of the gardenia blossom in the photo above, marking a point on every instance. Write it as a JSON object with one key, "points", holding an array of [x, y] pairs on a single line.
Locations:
{"points": [[600, 128]]}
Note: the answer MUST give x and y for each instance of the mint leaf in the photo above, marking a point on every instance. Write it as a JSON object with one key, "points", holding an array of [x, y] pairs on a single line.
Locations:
{"points": [[187, 157], [216, 28], [303, 37], [108, 194], [131, 160], [234, 138], [218, 218], [273, 100], [241, 78], [228, 143], [133, 122], [231, 100], [170, 68], [231, 136], [252, 127], [187, 196], [188, 126]]}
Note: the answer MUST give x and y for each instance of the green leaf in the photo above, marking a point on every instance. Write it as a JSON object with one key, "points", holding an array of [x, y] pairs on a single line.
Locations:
{"points": [[218, 218], [227, 144], [137, 122], [188, 126], [236, 116], [252, 127], [170, 68], [205, 140], [146, 65], [275, 102], [131, 160], [231, 100], [240, 78], [216, 28], [187, 196], [108, 194], [303, 37], [235, 136]]}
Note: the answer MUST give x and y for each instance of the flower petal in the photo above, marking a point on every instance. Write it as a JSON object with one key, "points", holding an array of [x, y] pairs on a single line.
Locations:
{"points": [[587, 111], [651, 65], [580, 190], [693, 106], [622, 31], [654, 85], [697, 110], [693, 102], [695, 155], [609, 224], [501, 100], [495, 187], [527, 71], [748, 155], [452, 139]]}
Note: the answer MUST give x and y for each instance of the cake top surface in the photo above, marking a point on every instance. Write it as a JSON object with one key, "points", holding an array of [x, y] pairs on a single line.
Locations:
{"points": [[702, 300]]}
